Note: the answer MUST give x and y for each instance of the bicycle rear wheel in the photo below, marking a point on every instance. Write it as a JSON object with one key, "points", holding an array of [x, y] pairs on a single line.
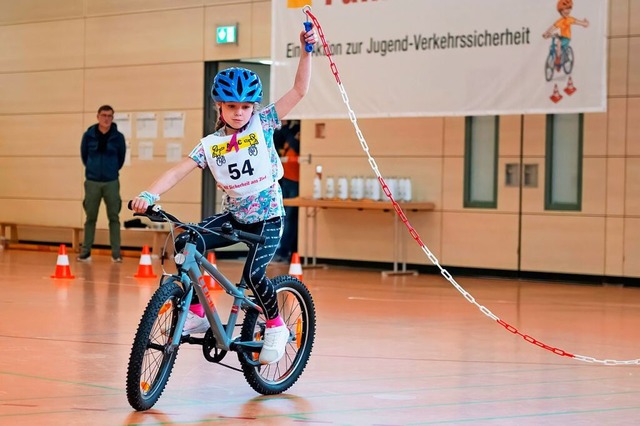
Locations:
{"points": [[298, 312], [567, 63], [151, 361]]}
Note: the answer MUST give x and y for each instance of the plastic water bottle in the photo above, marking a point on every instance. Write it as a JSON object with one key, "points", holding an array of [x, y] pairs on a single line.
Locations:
{"points": [[343, 188], [329, 188], [317, 183], [356, 188]]}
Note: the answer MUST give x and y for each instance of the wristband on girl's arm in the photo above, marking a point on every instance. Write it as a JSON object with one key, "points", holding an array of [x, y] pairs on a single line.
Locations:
{"points": [[149, 197]]}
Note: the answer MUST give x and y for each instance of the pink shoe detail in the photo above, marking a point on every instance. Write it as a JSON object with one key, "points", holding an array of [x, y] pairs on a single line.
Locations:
{"points": [[197, 309], [276, 322]]}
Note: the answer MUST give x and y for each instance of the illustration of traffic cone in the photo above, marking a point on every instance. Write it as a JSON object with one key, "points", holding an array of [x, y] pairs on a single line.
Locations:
{"points": [[145, 270], [62, 264], [209, 281], [295, 269], [556, 97], [570, 89]]}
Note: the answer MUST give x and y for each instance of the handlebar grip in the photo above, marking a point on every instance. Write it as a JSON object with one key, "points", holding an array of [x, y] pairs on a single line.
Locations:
{"points": [[307, 27], [147, 212], [259, 239]]}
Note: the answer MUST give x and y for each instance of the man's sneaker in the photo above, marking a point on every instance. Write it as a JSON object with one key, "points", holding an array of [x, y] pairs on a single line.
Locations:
{"points": [[84, 257], [195, 324], [116, 259], [275, 342]]}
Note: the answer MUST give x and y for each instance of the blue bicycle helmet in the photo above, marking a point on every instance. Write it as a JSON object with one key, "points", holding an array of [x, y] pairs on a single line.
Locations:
{"points": [[236, 85]]}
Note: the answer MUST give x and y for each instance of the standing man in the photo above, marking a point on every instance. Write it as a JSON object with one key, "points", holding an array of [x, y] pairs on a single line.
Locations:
{"points": [[103, 152]]}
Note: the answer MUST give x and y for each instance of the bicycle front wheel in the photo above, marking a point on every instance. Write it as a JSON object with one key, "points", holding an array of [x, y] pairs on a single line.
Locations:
{"points": [[151, 359], [298, 312], [548, 67]]}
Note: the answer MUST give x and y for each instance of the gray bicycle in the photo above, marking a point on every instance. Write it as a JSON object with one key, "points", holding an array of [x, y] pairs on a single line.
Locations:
{"points": [[159, 335]]}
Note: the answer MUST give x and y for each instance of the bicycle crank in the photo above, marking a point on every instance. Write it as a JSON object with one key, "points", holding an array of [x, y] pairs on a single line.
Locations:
{"points": [[209, 349]]}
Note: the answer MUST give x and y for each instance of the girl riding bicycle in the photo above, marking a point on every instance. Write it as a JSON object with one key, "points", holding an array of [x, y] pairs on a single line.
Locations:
{"points": [[246, 166]]}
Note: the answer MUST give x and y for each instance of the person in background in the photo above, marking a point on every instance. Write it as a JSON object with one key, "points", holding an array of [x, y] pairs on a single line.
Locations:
{"points": [[103, 152], [290, 184], [281, 134], [248, 178]]}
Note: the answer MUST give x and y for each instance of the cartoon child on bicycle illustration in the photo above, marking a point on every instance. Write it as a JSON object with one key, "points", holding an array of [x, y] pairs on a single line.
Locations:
{"points": [[561, 55]]}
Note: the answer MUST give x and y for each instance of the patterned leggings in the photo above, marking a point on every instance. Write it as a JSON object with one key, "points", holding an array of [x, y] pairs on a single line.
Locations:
{"points": [[258, 257]]}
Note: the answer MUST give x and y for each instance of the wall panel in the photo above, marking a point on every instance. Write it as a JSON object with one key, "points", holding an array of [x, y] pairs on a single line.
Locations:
{"points": [[13, 12], [634, 66], [616, 126], [42, 46], [595, 134], [510, 135], [261, 29], [44, 178], [145, 88], [563, 243], [112, 7], [48, 135], [632, 187], [618, 17], [485, 240], [632, 145], [618, 66], [41, 92], [453, 183], [632, 247], [594, 186], [149, 38], [614, 252], [453, 138], [42, 212], [535, 135], [634, 16], [616, 171]]}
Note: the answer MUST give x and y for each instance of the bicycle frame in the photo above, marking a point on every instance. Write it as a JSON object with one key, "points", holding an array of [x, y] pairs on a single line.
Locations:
{"points": [[555, 41], [193, 280]]}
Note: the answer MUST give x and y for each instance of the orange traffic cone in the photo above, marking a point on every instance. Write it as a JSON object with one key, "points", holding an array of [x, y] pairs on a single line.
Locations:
{"points": [[209, 281], [556, 97], [570, 89], [62, 265], [145, 270], [295, 269]]}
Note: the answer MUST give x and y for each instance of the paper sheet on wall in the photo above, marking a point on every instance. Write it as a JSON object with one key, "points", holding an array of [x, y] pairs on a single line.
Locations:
{"points": [[123, 121], [127, 156], [174, 152], [173, 124], [145, 150], [146, 125]]}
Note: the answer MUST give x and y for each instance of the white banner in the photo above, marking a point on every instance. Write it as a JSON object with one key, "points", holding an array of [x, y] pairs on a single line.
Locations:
{"points": [[400, 58]]}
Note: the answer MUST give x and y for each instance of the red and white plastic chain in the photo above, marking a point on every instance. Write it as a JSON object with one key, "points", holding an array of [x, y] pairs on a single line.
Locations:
{"points": [[414, 233]]}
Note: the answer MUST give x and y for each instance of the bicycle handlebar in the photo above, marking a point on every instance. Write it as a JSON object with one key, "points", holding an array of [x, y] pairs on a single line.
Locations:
{"points": [[155, 213]]}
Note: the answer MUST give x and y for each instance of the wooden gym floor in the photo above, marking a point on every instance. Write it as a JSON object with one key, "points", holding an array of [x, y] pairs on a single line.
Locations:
{"points": [[389, 351]]}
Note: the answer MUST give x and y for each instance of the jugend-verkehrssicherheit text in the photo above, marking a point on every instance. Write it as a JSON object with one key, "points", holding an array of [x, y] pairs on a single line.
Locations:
{"points": [[418, 42]]}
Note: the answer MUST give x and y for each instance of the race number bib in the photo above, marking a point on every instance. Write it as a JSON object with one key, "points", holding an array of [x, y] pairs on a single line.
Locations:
{"points": [[242, 168]]}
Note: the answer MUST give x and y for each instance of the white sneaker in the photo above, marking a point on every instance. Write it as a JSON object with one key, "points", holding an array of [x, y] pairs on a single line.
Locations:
{"points": [[195, 324], [275, 342]]}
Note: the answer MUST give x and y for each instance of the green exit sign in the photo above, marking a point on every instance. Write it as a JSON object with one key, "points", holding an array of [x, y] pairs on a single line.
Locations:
{"points": [[227, 34]]}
